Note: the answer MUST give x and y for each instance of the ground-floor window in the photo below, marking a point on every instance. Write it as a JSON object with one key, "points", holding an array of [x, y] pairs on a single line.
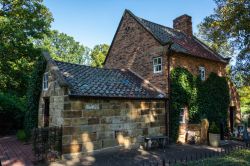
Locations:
{"points": [[182, 116]]}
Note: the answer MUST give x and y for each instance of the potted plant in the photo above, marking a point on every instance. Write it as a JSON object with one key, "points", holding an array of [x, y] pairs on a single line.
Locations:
{"points": [[214, 135]]}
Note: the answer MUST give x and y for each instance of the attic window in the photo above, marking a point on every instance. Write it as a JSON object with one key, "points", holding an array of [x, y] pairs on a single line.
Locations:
{"points": [[157, 64], [202, 73], [127, 29], [45, 81]]}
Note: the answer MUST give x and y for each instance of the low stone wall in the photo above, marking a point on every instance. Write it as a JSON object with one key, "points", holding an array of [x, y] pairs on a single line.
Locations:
{"points": [[194, 133], [92, 124]]}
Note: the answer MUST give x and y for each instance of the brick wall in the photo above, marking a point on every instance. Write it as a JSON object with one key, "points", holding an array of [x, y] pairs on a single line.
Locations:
{"points": [[192, 64], [91, 124], [134, 48]]}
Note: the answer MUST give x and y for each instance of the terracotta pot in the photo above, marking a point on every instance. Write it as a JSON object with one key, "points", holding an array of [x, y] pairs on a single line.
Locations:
{"points": [[214, 139]]}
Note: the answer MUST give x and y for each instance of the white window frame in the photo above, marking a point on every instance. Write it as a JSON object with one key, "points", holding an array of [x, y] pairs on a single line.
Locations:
{"points": [[45, 81], [157, 64], [202, 73], [182, 115]]}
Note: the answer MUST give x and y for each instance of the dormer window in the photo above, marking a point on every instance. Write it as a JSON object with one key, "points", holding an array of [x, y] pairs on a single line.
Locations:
{"points": [[202, 73], [157, 64], [45, 81]]}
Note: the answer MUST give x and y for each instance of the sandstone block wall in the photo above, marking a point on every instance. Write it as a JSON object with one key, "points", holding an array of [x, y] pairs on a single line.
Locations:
{"points": [[55, 93], [91, 124]]}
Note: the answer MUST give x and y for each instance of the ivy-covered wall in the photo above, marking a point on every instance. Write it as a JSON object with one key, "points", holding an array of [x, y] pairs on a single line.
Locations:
{"points": [[204, 99], [33, 95]]}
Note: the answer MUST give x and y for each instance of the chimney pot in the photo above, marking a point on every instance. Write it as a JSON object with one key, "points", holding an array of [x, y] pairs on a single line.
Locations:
{"points": [[184, 24]]}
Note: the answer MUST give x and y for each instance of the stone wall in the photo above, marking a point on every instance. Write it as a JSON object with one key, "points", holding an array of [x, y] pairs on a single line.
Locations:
{"points": [[91, 124], [55, 94], [198, 132]]}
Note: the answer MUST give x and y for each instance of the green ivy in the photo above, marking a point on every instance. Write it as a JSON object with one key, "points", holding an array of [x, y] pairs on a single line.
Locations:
{"points": [[214, 99], [33, 95], [208, 99]]}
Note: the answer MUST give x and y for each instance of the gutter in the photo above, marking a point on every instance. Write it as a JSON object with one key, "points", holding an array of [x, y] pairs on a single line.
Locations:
{"points": [[168, 54]]}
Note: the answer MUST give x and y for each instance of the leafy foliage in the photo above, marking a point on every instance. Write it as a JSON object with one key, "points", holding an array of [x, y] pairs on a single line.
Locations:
{"points": [[244, 93], [182, 85], [64, 48], [214, 128], [213, 98], [98, 55], [20, 21], [12, 112], [21, 135], [33, 95], [228, 31], [208, 99]]}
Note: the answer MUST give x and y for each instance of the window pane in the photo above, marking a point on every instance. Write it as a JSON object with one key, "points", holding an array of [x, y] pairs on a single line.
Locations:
{"points": [[155, 61], [155, 68], [159, 67], [159, 60]]}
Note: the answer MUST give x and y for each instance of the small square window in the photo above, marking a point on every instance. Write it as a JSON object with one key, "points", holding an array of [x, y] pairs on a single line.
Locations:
{"points": [[182, 116], [157, 64], [45, 81], [202, 73]]}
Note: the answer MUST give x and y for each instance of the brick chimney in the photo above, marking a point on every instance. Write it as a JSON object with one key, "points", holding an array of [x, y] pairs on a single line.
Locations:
{"points": [[184, 24]]}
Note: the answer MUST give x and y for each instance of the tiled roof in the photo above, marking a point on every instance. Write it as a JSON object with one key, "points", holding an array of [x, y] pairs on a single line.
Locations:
{"points": [[99, 82], [181, 42]]}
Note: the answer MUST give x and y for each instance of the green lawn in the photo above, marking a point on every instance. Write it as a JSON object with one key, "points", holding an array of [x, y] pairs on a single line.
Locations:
{"points": [[236, 158]]}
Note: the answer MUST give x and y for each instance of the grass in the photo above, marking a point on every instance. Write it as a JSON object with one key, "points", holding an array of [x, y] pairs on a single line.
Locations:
{"points": [[236, 158]]}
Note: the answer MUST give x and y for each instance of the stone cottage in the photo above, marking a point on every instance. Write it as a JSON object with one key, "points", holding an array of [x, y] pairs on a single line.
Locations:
{"points": [[128, 98]]}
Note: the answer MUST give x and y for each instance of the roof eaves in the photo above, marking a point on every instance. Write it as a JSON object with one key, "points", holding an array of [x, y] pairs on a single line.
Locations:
{"points": [[117, 97], [225, 60], [148, 83]]}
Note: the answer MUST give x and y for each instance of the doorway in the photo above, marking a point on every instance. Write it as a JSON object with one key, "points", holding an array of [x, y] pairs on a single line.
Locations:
{"points": [[46, 112], [231, 117]]}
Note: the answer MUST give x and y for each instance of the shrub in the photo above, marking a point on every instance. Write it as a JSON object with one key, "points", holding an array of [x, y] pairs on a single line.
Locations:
{"points": [[214, 128], [11, 113], [21, 135]]}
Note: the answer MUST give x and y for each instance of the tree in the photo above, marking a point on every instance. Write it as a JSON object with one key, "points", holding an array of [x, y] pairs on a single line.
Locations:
{"points": [[20, 21], [63, 47], [228, 32], [98, 55], [244, 93]]}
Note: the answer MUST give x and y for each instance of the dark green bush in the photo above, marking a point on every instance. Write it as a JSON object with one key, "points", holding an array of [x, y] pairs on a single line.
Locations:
{"points": [[21, 135], [11, 113], [214, 128]]}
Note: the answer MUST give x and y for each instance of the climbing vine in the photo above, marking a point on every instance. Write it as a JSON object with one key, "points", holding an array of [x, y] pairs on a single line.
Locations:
{"points": [[213, 99], [208, 99], [33, 95]]}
